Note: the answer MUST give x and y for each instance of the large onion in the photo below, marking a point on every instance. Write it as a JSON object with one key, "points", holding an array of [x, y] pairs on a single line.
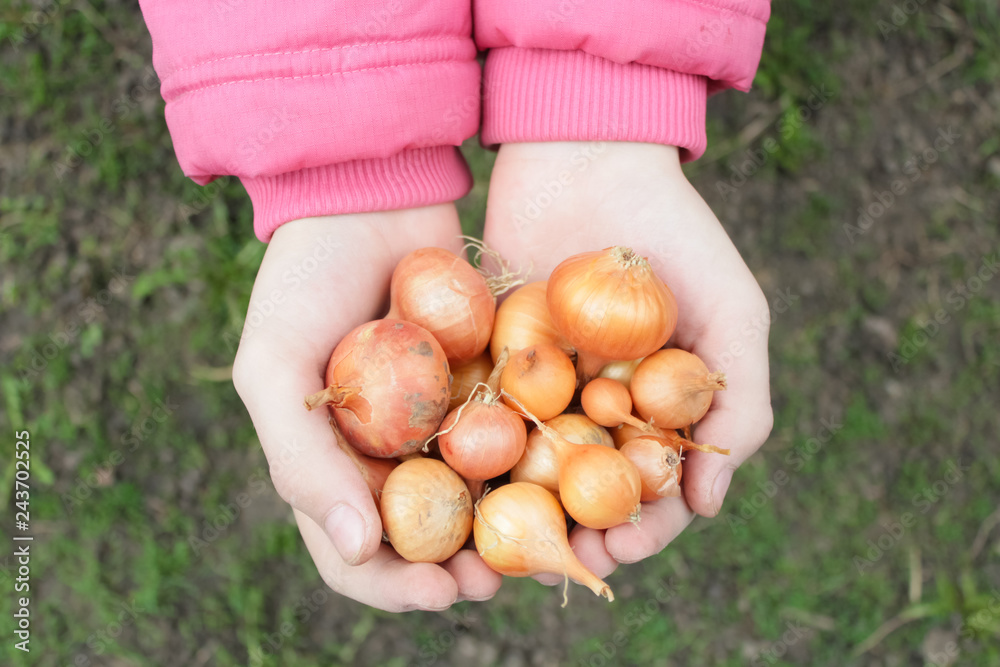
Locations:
{"points": [[387, 387], [610, 305], [444, 294], [523, 320]]}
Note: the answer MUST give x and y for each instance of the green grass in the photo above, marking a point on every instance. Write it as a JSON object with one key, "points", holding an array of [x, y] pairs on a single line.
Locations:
{"points": [[126, 285]]}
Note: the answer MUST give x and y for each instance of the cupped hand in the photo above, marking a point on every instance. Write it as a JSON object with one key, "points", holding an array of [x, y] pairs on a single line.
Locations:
{"points": [[548, 201], [320, 278]]}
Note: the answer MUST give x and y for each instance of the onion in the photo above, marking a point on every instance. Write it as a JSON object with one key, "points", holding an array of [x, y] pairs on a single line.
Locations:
{"points": [[523, 320], [541, 378], [483, 438], [465, 377], [540, 465], [610, 305], [680, 444], [621, 371], [625, 432], [387, 387], [608, 403], [658, 464], [374, 471], [520, 531], [598, 486], [444, 294], [426, 511], [674, 389]]}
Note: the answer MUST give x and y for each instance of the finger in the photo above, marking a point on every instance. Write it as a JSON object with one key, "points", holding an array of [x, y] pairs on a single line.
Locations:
{"points": [[659, 524], [590, 547], [476, 581], [308, 469], [740, 417], [386, 581]]}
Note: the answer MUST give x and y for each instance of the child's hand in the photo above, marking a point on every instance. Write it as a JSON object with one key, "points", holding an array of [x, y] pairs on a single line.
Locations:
{"points": [[548, 201], [320, 278]]}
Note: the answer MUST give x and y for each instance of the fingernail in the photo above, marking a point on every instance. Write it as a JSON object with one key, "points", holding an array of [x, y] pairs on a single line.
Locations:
{"points": [[346, 530], [462, 598], [720, 487]]}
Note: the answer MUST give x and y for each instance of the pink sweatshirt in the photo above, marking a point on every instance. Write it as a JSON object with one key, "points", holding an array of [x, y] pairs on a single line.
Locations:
{"points": [[345, 106]]}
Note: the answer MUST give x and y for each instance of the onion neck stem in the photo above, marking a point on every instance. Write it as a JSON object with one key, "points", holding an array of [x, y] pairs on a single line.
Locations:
{"points": [[334, 395], [580, 574], [493, 381]]}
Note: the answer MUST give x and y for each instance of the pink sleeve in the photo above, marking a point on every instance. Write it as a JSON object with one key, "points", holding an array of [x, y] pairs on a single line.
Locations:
{"points": [[612, 70], [320, 107]]}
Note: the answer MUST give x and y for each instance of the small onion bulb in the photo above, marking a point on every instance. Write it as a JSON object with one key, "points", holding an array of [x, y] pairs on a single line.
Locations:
{"points": [[674, 388], [540, 465], [523, 320], [658, 464], [426, 511], [541, 378], [520, 531]]}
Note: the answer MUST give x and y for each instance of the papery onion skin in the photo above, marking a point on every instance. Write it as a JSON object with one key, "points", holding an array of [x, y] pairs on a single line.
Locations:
{"points": [[540, 463], [610, 305], [609, 404], [465, 378], [674, 388], [625, 432], [622, 371], [598, 486], [482, 440], [387, 387], [542, 378], [520, 531], [658, 464], [523, 320], [443, 293], [426, 511]]}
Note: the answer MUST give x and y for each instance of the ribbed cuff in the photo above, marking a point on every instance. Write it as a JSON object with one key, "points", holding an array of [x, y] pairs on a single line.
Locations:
{"points": [[546, 95], [418, 177]]}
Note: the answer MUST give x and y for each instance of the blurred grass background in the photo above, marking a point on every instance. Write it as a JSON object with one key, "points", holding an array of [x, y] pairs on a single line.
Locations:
{"points": [[864, 532]]}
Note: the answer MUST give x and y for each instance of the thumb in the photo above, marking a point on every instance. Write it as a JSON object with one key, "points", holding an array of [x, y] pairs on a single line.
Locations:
{"points": [[308, 468]]}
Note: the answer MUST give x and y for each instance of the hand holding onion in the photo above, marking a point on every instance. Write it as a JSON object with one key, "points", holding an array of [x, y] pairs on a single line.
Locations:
{"points": [[389, 387], [636, 195], [292, 327]]}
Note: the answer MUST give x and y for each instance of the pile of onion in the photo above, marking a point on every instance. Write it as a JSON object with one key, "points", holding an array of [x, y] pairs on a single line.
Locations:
{"points": [[576, 408]]}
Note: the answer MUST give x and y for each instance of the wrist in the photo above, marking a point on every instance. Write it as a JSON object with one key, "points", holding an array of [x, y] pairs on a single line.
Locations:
{"points": [[624, 158]]}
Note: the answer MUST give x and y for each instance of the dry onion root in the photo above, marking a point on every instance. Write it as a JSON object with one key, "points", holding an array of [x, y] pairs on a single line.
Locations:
{"points": [[520, 531], [426, 511], [387, 387]]}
